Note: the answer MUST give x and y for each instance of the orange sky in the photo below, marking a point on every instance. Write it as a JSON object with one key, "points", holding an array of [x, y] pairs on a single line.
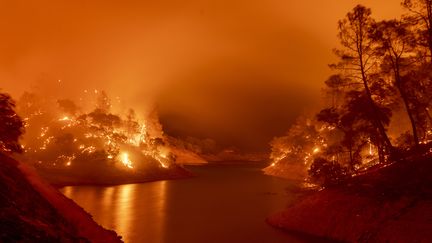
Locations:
{"points": [[236, 70]]}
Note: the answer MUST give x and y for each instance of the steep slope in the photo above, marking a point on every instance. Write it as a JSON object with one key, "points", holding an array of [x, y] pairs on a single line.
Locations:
{"points": [[31, 210], [392, 204]]}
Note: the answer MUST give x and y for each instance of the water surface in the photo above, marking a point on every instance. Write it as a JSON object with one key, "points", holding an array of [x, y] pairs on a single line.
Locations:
{"points": [[224, 203]]}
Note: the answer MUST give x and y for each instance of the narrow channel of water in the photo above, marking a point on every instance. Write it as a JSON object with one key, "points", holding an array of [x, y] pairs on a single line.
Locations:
{"points": [[224, 203]]}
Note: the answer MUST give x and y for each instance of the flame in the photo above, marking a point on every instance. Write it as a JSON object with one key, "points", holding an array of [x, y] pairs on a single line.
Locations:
{"points": [[65, 118], [124, 158], [86, 135]]}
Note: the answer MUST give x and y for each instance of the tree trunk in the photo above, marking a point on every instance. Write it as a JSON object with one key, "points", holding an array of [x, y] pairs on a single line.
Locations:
{"points": [[375, 111], [398, 84], [411, 117], [377, 119]]}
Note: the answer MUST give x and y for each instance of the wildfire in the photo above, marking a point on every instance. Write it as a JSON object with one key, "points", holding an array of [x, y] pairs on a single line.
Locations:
{"points": [[124, 158], [98, 135], [163, 157]]}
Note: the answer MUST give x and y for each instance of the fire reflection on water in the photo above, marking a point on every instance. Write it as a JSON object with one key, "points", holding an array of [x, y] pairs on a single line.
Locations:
{"points": [[222, 204], [119, 208]]}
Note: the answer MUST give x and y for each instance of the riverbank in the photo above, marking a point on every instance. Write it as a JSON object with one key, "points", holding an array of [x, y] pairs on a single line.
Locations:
{"points": [[392, 204], [31, 210], [59, 178]]}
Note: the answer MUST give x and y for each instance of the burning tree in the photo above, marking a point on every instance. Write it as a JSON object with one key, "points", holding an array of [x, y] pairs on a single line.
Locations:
{"points": [[293, 153], [65, 141], [382, 66]]}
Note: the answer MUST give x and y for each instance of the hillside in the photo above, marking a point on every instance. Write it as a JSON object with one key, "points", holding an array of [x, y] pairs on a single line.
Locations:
{"points": [[31, 210], [391, 204]]}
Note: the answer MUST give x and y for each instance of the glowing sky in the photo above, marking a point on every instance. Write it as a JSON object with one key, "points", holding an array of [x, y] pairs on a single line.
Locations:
{"points": [[238, 71]]}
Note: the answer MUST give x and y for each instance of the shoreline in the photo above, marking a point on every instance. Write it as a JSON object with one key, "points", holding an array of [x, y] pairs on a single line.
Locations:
{"points": [[393, 204]]}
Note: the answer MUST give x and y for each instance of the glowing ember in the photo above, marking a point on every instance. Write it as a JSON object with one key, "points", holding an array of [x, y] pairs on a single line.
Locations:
{"points": [[90, 149], [44, 130]]}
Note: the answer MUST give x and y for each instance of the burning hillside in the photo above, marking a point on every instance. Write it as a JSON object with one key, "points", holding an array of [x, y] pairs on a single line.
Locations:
{"points": [[69, 145], [311, 148]]}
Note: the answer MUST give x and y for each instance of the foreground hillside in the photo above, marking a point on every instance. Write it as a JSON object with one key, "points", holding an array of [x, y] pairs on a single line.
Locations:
{"points": [[31, 210], [392, 204]]}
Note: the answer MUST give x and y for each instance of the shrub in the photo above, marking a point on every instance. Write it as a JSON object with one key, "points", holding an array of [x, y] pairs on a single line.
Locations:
{"points": [[325, 172]]}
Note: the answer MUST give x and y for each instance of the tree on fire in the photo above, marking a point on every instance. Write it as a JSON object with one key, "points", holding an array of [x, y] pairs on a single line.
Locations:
{"points": [[80, 143], [11, 125], [381, 68], [384, 69]]}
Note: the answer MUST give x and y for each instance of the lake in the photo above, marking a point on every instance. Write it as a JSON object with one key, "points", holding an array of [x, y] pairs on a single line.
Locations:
{"points": [[223, 203]]}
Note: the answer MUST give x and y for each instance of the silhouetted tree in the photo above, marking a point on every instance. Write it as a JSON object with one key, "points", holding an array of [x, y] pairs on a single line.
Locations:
{"points": [[396, 45], [104, 120], [382, 66], [421, 17], [336, 86], [353, 119], [68, 106], [11, 125], [358, 61], [325, 172]]}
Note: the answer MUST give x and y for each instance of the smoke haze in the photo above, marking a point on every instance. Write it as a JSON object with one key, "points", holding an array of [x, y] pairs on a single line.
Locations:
{"points": [[237, 71]]}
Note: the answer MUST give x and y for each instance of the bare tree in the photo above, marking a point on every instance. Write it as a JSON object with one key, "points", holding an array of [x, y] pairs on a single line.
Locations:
{"points": [[421, 15]]}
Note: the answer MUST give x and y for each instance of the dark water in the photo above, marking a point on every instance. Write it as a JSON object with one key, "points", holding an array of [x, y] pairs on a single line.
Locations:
{"points": [[224, 203]]}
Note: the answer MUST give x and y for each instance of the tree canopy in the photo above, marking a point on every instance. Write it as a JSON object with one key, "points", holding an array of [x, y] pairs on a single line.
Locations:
{"points": [[11, 125], [379, 98]]}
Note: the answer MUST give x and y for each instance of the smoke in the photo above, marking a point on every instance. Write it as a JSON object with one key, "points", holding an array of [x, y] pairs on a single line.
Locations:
{"points": [[267, 58]]}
